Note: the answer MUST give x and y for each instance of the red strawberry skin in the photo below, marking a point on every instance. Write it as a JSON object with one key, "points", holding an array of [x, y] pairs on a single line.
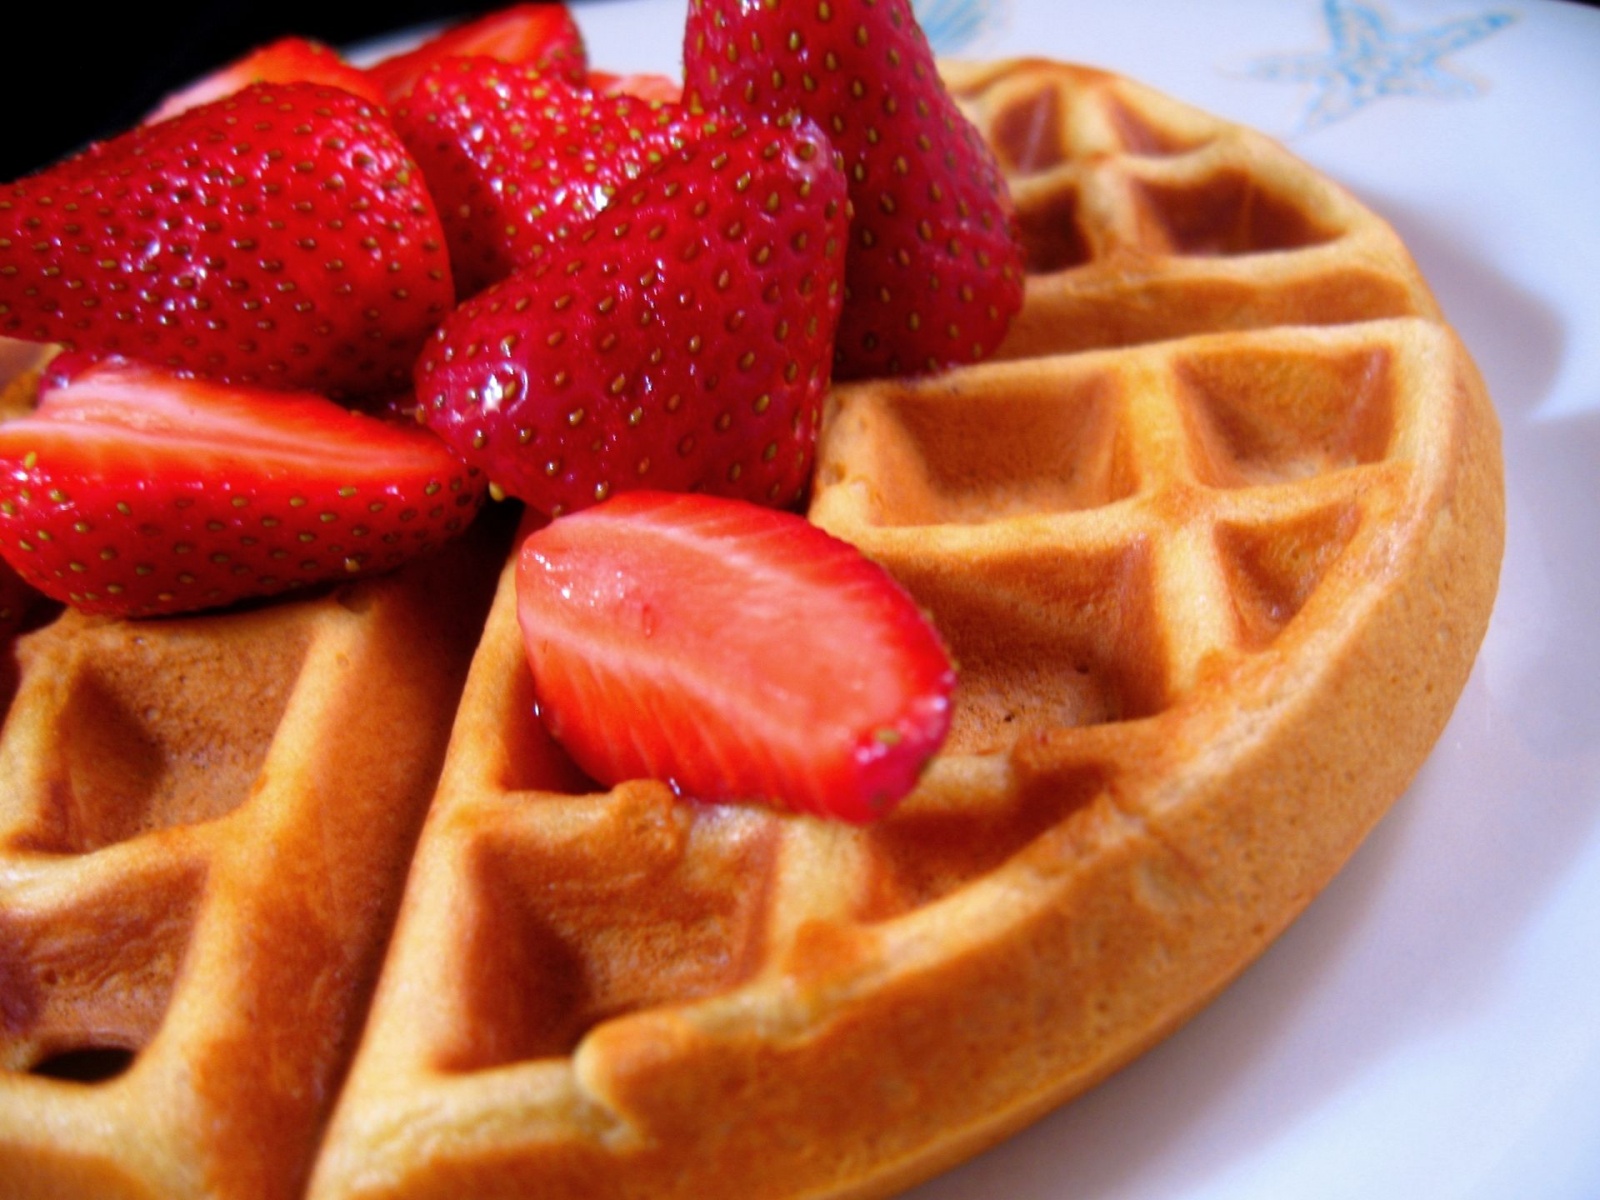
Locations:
{"points": [[280, 237], [736, 652], [681, 341], [133, 492], [515, 157], [543, 36], [935, 268], [287, 60]]}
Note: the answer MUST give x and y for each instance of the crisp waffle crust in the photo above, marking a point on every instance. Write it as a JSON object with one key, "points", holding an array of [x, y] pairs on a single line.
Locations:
{"points": [[1214, 543]]}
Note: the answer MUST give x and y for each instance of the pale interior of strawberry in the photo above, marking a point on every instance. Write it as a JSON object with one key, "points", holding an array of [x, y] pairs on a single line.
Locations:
{"points": [[212, 419]]}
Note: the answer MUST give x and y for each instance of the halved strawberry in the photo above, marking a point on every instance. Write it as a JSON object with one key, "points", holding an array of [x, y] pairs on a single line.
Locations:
{"points": [[541, 35], [679, 341], [934, 273], [646, 85], [287, 60], [736, 652], [280, 236], [516, 158], [134, 492]]}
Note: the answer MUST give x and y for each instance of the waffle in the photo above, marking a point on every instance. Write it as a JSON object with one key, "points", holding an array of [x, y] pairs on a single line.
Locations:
{"points": [[1214, 544]]}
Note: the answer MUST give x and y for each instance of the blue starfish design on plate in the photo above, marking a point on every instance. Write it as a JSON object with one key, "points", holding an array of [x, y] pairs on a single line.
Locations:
{"points": [[953, 25], [1372, 59]]}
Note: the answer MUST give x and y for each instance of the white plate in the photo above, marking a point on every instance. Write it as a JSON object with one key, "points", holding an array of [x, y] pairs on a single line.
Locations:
{"points": [[1431, 1027]]}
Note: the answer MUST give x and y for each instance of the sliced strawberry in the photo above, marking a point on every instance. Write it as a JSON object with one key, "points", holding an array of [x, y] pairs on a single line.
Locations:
{"points": [[541, 35], [644, 85], [935, 269], [281, 236], [736, 652], [287, 60], [134, 492], [679, 341], [516, 158]]}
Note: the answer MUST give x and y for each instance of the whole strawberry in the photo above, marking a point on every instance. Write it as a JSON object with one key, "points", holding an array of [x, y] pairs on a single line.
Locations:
{"points": [[680, 341], [516, 157], [280, 237], [934, 272]]}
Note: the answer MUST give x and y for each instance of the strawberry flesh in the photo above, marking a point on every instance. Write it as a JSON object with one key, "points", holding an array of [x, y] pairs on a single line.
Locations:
{"points": [[281, 236], [680, 341], [935, 270], [646, 85], [736, 652], [133, 492]]}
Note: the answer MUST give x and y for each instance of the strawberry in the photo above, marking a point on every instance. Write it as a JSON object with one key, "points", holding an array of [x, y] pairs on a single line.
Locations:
{"points": [[541, 35], [515, 158], [734, 651], [134, 492], [645, 85], [287, 60], [934, 271], [679, 341], [281, 236]]}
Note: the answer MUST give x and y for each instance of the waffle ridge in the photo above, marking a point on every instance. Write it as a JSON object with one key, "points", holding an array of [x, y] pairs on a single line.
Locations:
{"points": [[1213, 541], [196, 881]]}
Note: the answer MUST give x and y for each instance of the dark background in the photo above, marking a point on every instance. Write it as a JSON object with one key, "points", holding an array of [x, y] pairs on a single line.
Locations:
{"points": [[76, 72], [72, 77]]}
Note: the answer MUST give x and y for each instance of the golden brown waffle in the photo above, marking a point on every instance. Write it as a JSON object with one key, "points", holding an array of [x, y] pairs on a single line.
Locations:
{"points": [[1146, 219], [1212, 597], [1214, 548], [204, 827]]}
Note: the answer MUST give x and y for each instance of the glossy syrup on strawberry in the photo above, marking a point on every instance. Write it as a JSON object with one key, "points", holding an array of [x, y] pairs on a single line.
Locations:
{"points": [[679, 341]]}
